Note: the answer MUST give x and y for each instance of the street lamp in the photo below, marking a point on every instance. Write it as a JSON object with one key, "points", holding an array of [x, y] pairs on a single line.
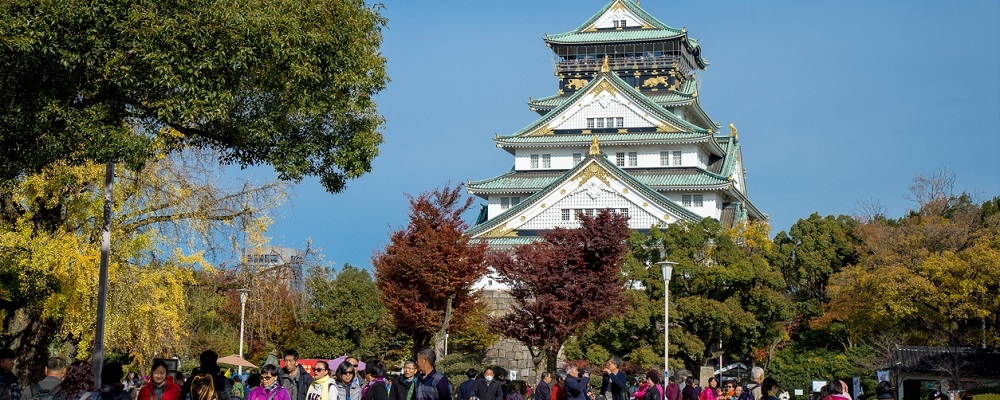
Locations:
{"points": [[667, 268], [243, 312]]}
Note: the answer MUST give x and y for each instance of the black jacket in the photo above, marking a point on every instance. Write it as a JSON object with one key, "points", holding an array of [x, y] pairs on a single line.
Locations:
{"points": [[304, 381], [542, 391], [400, 388], [652, 394], [377, 391], [487, 390]]}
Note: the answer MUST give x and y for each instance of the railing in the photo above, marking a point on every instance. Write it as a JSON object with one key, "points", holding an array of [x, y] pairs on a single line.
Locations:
{"points": [[639, 62]]}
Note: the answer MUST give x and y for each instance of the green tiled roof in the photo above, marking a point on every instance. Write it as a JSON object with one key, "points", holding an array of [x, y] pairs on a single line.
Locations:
{"points": [[659, 31], [530, 181], [683, 95], [604, 138], [627, 91], [495, 242], [625, 177]]}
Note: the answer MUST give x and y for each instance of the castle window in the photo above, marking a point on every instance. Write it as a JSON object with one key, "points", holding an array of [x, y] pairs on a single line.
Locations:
{"points": [[600, 123], [633, 159], [546, 161], [565, 214], [620, 159], [577, 157], [677, 158], [686, 200], [590, 123], [508, 202], [623, 211], [698, 201], [620, 23], [664, 158], [534, 161]]}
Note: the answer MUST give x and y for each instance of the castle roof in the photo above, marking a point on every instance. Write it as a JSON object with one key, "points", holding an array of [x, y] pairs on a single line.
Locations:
{"points": [[648, 29]]}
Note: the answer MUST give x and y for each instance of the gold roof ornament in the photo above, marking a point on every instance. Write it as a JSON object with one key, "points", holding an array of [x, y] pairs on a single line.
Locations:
{"points": [[732, 130], [604, 66], [595, 149]]}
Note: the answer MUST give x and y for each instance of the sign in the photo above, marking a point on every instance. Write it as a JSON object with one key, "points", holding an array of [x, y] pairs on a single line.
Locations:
{"points": [[799, 392], [857, 387], [512, 375], [883, 376], [818, 386]]}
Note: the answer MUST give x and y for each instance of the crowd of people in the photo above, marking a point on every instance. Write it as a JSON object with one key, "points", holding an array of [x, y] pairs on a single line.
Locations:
{"points": [[352, 380]]}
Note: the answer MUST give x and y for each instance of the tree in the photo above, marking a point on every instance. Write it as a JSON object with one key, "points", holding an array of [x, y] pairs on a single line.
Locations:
{"points": [[343, 317], [932, 273], [168, 213], [426, 272], [559, 284], [814, 249], [287, 83]]}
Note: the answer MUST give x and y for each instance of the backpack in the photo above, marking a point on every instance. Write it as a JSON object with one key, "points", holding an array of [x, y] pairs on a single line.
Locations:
{"points": [[748, 392], [37, 393]]}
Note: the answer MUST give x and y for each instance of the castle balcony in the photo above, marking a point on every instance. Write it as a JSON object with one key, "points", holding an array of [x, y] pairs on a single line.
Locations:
{"points": [[629, 63]]}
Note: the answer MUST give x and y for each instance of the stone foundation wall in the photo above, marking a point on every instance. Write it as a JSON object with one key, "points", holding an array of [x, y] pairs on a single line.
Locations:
{"points": [[508, 353]]}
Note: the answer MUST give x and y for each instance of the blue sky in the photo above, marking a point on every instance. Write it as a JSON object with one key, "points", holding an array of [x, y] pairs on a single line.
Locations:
{"points": [[836, 102]]}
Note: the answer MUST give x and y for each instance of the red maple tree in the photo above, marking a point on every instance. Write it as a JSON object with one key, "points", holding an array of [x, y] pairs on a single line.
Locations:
{"points": [[559, 284], [425, 273]]}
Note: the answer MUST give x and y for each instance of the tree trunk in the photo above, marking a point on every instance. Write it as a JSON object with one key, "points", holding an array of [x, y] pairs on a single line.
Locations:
{"points": [[550, 360], [440, 339]]}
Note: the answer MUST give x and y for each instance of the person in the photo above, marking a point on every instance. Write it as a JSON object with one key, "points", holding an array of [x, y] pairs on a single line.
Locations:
{"points": [[111, 382], [465, 389], [640, 391], [294, 377], [239, 390], [757, 377], [160, 386], [208, 368], [737, 391], [432, 384], [885, 391], [543, 390], [728, 390], [836, 389], [488, 388], [402, 386], [655, 391], [10, 387], [323, 386], [576, 384], [712, 391], [358, 373], [253, 380], [79, 382], [50, 386], [515, 392], [672, 391], [614, 380], [347, 388], [269, 388], [690, 391], [769, 389], [558, 386], [376, 386]]}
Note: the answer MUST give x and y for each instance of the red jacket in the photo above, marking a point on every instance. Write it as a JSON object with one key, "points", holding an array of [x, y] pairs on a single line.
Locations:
{"points": [[171, 392]]}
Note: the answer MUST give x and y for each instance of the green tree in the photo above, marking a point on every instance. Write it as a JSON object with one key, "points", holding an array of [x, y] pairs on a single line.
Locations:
{"points": [[287, 83], [810, 252]]}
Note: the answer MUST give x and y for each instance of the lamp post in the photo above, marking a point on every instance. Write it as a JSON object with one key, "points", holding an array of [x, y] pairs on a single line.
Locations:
{"points": [[243, 312], [667, 267]]}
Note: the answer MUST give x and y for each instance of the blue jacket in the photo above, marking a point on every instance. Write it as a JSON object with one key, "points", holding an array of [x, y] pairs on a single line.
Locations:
{"points": [[576, 388], [615, 383]]}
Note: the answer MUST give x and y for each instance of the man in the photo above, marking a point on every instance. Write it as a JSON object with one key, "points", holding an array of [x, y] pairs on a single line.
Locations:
{"points": [[111, 382], [576, 385], [431, 383], [9, 386], [689, 392], [672, 391], [488, 388], [402, 386], [466, 388], [293, 376], [543, 390], [209, 361], [614, 381], [757, 375], [55, 371]]}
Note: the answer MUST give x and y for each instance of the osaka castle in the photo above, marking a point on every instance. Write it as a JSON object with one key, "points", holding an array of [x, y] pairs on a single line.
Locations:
{"points": [[625, 131]]}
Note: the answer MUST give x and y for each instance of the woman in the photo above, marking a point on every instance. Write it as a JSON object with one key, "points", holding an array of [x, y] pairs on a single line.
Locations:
{"points": [[79, 382], [769, 389], [728, 390], [640, 392], [161, 386], [269, 388], [712, 391], [323, 387], [655, 391], [885, 391], [836, 389], [376, 386], [347, 388], [558, 391]]}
